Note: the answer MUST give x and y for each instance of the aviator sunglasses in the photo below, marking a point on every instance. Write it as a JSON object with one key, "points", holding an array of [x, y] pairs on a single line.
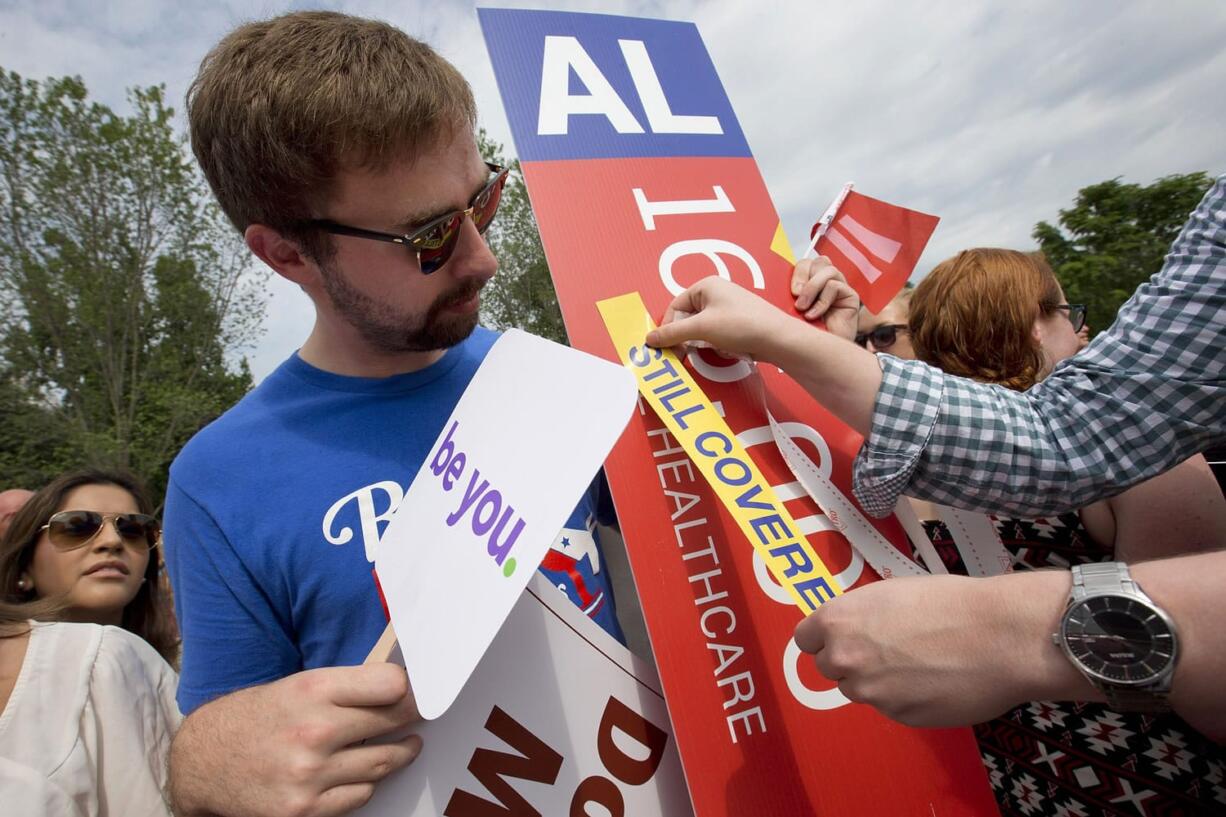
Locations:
{"points": [[883, 336], [69, 530], [435, 241]]}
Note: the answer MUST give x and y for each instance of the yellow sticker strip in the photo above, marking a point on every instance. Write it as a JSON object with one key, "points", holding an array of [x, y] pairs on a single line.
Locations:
{"points": [[671, 391]]}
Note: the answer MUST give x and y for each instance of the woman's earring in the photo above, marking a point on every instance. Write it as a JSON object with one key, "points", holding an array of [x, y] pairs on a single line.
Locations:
{"points": [[23, 584]]}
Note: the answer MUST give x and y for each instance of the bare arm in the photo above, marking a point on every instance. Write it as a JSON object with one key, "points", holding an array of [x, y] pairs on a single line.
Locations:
{"points": [[844, 377], [1180, 511], [952, 651]]}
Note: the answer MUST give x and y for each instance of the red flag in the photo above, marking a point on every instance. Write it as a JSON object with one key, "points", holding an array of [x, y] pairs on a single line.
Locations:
{"points": [[876, 245]]}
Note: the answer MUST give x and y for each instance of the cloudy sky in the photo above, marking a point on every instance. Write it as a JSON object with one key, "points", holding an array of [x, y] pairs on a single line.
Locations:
{"points": [[990, 115]]}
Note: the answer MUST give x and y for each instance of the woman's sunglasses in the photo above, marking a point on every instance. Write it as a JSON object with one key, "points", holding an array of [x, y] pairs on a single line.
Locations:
{"points": [[883, 336], [69, 530], [435, 241]]}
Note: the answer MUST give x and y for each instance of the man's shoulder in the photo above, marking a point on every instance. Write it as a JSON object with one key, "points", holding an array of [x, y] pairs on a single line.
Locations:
{"points": [[232, 434], [253, 429]]}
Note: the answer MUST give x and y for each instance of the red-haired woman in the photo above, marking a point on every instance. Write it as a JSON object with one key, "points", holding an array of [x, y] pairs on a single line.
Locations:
{"points": [[1000, 316]]}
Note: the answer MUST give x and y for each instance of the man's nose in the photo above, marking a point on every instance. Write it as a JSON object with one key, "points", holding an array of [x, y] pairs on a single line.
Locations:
{"points": [[473, 257]]}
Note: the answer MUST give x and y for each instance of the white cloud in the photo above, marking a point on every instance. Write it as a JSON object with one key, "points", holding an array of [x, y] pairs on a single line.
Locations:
{"points": [[989, 115]]}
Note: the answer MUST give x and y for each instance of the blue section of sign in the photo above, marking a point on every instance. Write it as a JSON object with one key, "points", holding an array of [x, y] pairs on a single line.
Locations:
{"points": [[685, 94]]}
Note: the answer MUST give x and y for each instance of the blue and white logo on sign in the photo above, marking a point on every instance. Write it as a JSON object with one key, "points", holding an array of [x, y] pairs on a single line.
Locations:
{"points": [[592, 86]]}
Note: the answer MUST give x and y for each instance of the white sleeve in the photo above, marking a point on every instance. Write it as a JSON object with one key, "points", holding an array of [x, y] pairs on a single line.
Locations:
{"points": [[133, 715]]}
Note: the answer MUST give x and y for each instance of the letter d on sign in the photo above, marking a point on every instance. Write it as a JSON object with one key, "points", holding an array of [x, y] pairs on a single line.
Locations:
{"points": [[625, 768]]}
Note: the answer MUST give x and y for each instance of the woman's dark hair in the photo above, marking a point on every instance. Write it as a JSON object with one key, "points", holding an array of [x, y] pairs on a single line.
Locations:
{"points": [[147, 615]]}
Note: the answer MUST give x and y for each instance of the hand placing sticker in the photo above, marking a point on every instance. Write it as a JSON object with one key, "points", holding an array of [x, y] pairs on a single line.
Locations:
{"points": [[720, 315], [737, 323], [681, 315]]}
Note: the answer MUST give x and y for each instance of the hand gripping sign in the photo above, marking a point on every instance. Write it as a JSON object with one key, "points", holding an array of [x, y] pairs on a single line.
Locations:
{"points": [[874, 243], [641, 180], [487, 503], [558, 718]]}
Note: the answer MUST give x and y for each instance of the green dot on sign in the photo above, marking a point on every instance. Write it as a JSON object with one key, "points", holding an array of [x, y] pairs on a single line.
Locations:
{"points": [[508, 567]]}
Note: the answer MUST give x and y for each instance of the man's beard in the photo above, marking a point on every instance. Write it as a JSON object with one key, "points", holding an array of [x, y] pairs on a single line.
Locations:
{"points": [[390, 331]]}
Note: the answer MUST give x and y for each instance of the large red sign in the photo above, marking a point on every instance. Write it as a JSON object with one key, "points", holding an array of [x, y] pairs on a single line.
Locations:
{"points": [[641, 179]]}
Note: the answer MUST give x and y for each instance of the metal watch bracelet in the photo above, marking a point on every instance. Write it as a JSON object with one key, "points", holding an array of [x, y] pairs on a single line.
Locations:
{"points": [[1114, 577]]}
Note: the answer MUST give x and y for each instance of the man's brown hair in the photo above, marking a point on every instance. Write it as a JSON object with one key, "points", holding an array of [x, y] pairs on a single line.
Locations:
{"points": [[281, 106], [974, 315]]}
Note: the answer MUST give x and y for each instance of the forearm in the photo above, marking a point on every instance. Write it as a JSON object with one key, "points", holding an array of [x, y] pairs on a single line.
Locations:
{"points": [[1188, 588], [847, 380], [1027, 471], [1179, 512], [840, 375], [1023, 610], [188, 790]]}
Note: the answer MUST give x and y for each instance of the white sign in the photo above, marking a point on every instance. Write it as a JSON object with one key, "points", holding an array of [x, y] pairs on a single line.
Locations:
{"points": [[514, 458], [559, 718]]}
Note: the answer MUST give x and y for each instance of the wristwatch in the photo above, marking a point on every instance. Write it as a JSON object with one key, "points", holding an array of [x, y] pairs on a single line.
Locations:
{"points": [[1118, 638]]}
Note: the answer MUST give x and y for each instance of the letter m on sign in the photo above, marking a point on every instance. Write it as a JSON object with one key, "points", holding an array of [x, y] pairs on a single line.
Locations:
{"points": [[876, 245], [535, 761]]}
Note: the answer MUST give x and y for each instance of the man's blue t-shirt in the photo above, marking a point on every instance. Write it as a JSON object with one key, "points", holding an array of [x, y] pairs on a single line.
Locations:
{"points": [[273, 512]]}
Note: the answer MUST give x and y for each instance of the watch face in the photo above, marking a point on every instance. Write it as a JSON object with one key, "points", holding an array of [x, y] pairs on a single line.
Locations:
{"points": [[1119, 639]]}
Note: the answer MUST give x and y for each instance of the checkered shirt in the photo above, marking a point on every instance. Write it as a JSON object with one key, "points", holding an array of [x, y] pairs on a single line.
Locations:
{"points": [[1143, 396]]}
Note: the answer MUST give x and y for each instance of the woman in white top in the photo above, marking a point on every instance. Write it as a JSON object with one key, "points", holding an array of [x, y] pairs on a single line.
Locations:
{"points": [[88, 711]]}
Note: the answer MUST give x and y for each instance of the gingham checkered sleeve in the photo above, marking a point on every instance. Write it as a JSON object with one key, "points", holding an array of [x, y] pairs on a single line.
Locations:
{"points": [[1145, 395]]}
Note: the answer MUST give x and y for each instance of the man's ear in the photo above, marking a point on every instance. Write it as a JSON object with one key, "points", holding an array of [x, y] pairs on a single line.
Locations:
{"points": [[284, 256]]}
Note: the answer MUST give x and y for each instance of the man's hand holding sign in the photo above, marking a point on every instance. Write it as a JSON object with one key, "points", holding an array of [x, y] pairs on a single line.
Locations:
{"points": [[304, 750], [496, 655], [822, 293]]}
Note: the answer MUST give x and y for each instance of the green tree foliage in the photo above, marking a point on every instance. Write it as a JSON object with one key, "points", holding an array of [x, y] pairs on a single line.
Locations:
{"points": [[1114, 238], [521, 295], [127, 295]]}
